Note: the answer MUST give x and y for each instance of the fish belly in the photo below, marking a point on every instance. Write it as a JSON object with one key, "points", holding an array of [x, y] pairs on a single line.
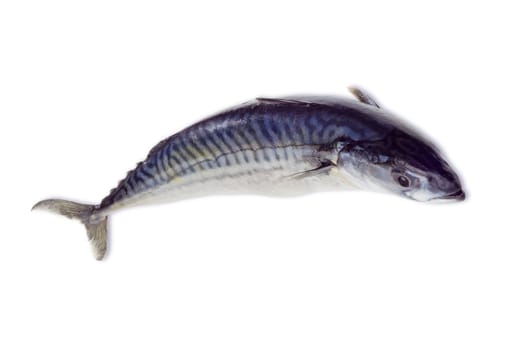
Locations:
{"points": [[281, 172]]}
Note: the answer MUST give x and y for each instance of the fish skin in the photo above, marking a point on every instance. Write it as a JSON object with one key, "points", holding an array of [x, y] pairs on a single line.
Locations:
{"points": [[262, 124]]}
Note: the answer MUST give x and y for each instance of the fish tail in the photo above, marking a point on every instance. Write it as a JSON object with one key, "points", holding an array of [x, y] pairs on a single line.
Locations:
{"points": [[95, 223]]}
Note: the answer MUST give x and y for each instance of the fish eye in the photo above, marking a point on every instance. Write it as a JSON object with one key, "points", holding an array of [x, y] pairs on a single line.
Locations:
{"points": [[403, 181]]}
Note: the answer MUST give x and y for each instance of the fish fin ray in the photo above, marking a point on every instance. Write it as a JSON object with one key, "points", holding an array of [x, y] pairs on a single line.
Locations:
{"points": [[363, 96], [325, 166], [96, 225], [281, 100]]}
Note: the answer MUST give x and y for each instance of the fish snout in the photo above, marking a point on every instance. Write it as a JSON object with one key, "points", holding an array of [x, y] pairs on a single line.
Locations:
{"points": [[448, 188]]}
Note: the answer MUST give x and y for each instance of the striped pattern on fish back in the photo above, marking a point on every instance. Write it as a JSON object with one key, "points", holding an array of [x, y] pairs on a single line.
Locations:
{"points": [[264, 126]]}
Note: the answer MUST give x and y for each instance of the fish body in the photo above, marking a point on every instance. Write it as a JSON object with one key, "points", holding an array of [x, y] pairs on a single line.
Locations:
{"points": [[261, 146], [280, 147]]}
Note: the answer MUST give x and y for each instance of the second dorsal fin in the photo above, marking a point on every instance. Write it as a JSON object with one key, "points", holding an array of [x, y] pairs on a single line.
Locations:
{"points": [[363, 96]]}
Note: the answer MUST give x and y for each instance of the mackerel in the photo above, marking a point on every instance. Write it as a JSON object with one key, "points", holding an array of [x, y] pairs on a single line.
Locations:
{"points": [[280, 147]]}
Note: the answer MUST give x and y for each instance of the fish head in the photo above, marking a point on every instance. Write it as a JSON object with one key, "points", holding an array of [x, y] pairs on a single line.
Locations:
{"points": [[402, 163]]}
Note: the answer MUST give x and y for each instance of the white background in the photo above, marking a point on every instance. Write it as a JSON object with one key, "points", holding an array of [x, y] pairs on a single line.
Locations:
{"points": [[86, 88]]}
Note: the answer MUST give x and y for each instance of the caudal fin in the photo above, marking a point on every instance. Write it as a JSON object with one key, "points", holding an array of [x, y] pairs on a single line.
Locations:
{"points": [[96, 225]]}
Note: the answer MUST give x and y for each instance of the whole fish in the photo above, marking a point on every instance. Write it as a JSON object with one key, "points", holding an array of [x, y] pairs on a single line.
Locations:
{"points": [[279, 146]]}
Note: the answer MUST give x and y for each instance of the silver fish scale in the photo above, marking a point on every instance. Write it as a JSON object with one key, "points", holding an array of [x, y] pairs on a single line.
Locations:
{"points": [[259, 141]]}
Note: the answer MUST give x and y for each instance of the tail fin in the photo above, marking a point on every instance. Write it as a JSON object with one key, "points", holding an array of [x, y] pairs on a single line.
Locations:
{"points": [[96, 225]]}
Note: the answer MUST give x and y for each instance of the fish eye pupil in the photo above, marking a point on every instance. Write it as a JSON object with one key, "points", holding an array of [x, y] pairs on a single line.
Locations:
{"points": [[403, 181]]}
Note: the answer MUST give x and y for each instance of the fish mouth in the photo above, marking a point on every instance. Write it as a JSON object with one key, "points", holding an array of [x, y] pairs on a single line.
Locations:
{"points": [[458, 196]]}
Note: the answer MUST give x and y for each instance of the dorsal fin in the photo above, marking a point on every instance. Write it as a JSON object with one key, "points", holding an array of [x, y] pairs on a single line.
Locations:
{"points": [[280, 100], [363, 96]]}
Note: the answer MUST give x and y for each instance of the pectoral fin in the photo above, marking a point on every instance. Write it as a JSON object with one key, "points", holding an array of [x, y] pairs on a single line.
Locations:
{"points": [[323, 169], [363, 96]]}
